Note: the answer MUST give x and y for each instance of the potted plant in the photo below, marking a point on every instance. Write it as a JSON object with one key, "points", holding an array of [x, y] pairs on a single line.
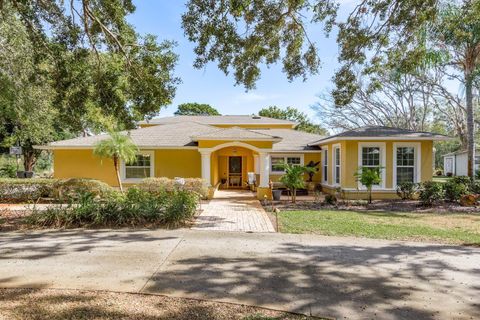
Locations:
{"points": [[314, 169]]}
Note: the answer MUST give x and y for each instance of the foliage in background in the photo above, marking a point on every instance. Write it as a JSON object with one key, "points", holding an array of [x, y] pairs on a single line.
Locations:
{"points": [[71, 68], [118, 147], [196, 109], [293, 114], [368, 177]]}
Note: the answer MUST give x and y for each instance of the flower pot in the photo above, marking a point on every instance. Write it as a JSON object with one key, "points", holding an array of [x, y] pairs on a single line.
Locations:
{"points": [[21, 174], [28, 174], [277, 194]]}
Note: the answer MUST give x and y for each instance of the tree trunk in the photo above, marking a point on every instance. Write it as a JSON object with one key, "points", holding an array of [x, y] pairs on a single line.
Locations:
{"points": [[470, 125], [117, 171], [369, 195], [294, 195], [29, 160]]}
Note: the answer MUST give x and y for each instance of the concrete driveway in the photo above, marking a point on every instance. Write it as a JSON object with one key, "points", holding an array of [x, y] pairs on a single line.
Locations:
{"points": [[324, 276]]}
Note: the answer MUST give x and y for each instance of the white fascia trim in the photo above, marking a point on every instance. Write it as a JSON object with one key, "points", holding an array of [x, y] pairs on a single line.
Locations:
{"points": [[383, 162], [324, 164], [337, 145], [398, 138], [136, 180], [418, 159], [284, 156], [235, 144], [93, 147], [297, 151]]}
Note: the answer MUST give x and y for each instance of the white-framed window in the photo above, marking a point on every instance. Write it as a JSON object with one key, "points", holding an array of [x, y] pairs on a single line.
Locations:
{"points": [[406, 163], [278, 160], [325, 164], [372, 155], [141, 168], [336, 164]]}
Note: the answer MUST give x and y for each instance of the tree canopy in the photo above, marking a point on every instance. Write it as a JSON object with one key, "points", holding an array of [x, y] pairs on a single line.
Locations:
{"points": [[293, 114], [196, 109], [77, 67]]}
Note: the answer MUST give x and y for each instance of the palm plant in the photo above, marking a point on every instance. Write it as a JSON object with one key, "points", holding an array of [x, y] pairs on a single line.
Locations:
{"points": [[369, 177], [293, 178], [118, 147]]}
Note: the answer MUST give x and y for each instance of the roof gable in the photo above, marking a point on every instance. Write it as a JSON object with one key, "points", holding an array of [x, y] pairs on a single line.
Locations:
{"points": [[236, 133], [382, 132]]}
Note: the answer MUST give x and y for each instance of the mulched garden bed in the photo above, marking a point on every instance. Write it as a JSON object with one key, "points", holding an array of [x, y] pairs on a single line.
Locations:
{"points": [[376, 205]]}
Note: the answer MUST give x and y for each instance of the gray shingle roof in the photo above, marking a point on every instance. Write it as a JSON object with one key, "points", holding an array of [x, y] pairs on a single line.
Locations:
{"points": [[226, 119], [236, 133], [292, 140], [171, 135], [383, 132]]}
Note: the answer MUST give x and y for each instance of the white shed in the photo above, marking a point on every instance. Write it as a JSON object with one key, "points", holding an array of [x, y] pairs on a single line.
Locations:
{"points": [[456, 163]]}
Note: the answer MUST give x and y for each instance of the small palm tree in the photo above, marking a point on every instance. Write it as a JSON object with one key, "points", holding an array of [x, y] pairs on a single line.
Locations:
{"points": [[118, 147], [293, 178], [369, 177]]}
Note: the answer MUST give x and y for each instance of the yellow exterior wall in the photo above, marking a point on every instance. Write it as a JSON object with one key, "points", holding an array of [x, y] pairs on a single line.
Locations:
{"points": [[349, 165], [83, 164], [178, 163]]}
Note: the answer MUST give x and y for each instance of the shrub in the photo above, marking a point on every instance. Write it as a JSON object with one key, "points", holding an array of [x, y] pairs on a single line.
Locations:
{"points": [[456, 188], [477, 174], [406, 190], [74, 187], [438, 172], [25, 190], [8, 170], [135, 207], [431, 192], [475, 187], [156, 185], [330, 199]]}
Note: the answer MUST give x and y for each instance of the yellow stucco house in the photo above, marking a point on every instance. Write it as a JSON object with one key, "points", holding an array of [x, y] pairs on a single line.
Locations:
{"points": [[227, 151]]}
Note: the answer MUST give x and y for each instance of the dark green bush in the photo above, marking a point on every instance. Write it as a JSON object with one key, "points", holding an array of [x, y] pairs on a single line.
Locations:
{"points": [[456, 188], [330, 199], [461, 179], [25, 190], [406, 190], [431, 192], [135, 207], [475, 187], [8, 170], [74, 187]]}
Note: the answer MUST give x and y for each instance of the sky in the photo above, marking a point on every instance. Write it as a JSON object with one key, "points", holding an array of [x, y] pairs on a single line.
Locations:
{"points": [[210, 85]]}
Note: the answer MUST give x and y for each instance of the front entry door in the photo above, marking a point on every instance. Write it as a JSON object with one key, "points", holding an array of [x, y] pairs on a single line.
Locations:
{"points": [[235, 172]]}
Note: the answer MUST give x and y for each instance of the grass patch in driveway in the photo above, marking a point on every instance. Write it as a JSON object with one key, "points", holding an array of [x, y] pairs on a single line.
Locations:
{"points": [[437, 227], [74, 304]]}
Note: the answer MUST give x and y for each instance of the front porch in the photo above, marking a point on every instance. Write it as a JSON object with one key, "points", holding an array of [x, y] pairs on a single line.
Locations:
{"points": [[237, 166]]}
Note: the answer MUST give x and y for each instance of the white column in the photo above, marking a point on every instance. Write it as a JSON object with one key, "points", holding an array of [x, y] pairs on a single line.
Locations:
{"points": [[264, 169], [256, 167], [206, 156]]}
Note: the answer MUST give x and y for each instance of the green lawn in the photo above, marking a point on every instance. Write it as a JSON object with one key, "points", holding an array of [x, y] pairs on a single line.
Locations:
{"points": [[447, 228]]}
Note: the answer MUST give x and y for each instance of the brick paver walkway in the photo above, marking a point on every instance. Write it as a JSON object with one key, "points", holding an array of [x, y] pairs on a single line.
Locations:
{"points": [[234, 210]]}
